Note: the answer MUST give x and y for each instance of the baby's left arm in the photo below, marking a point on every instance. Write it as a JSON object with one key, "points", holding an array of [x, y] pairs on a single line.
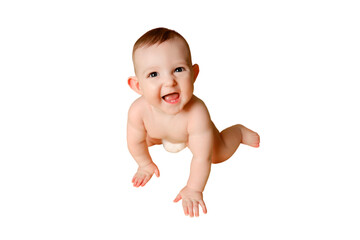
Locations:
{"points": [[200, 143]]}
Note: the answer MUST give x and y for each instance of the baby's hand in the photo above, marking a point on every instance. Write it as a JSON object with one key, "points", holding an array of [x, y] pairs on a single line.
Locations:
{"points": [[143, 174], [190, 201]]}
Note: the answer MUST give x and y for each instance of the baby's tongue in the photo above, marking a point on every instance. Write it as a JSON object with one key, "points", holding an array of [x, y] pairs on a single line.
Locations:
{"points": [[171, 97]]}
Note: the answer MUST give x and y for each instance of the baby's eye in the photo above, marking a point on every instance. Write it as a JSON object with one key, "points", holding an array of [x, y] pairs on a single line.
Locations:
{"points": [[153, 74], [179, 69]]}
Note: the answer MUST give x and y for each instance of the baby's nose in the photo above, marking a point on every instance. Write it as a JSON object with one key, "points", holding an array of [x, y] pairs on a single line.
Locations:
{"points": [[170, 80]]}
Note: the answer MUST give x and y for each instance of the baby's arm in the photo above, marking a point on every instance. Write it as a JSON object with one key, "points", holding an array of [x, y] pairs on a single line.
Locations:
{"points": [[136, 139], [201, 144]]}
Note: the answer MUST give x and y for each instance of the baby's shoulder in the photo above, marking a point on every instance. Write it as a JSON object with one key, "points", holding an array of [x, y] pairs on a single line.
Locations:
{"points": [[137, 108], [197, 106], [198, 112]]}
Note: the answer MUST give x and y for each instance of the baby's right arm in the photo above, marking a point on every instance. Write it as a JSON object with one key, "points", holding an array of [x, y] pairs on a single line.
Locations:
{"points": [[136, 139]]}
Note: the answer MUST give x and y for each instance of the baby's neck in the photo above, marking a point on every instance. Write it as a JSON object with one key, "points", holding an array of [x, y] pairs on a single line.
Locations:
{"points": [[160, 113]]}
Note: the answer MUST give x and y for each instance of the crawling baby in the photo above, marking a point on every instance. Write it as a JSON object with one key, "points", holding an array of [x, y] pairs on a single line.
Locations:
{"points": [[168, 113]]}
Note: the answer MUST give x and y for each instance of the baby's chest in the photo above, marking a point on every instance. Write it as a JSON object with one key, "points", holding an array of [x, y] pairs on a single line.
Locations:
{"points": [[173, 131]]}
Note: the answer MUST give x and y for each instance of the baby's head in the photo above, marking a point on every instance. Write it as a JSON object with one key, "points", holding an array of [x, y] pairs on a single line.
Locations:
{"points": [[156, 37], [164, 71]]}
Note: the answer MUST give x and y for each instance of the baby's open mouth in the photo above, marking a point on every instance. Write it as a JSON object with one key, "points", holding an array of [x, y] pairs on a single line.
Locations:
{"points": [[171, 98]]}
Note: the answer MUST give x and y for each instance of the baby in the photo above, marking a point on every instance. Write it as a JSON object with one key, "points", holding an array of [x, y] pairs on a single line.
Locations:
{"points": [[168, 113]]}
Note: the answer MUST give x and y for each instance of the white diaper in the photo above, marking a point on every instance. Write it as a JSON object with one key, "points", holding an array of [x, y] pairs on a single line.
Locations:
{"points": [[173, 147]]}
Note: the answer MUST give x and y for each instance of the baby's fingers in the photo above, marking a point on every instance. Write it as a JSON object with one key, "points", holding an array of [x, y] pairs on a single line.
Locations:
{"points": [[188, 208], [178, 198], [137, 180], [196, 209], [157, 172], [203, 206], [147, 178]]}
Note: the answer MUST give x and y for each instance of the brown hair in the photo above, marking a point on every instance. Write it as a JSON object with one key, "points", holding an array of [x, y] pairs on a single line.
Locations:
{"points": [[158, 36]]}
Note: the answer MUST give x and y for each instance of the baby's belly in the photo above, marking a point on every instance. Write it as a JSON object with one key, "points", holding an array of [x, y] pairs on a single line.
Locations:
{"points": [[173, 147]]}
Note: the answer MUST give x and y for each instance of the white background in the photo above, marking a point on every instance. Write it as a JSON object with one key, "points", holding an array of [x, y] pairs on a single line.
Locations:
{"points": [[287, 69]]}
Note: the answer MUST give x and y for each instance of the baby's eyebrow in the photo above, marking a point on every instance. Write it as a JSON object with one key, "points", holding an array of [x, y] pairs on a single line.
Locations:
{"points": [[183, 63]]}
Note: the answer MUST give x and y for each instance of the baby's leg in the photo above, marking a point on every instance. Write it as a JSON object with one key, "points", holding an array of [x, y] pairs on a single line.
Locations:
{"points": [[229, 140]]}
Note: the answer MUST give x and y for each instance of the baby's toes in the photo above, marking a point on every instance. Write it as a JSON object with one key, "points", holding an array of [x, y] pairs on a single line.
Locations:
{"points": [[249, 137], [255, 140]]}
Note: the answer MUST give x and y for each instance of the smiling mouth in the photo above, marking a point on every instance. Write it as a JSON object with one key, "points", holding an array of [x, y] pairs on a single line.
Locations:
{"points": [[171, 98]]}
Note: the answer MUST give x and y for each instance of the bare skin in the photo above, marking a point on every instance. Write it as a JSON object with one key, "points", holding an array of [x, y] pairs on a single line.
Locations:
{"points": [[168, 110]]}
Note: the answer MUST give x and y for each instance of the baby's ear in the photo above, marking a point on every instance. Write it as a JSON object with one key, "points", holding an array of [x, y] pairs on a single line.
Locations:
{"points": [[196, 71], [134, 85]]}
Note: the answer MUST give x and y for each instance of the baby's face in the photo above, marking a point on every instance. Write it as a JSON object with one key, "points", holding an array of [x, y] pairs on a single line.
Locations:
{"points": [[165, 75]]}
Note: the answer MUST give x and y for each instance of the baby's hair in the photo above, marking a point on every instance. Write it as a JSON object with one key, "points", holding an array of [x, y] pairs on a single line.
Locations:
{"points": [[158, 36]]}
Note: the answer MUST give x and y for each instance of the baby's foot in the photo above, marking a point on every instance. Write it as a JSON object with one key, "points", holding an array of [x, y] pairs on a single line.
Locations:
{"points": [[249, 137]]}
